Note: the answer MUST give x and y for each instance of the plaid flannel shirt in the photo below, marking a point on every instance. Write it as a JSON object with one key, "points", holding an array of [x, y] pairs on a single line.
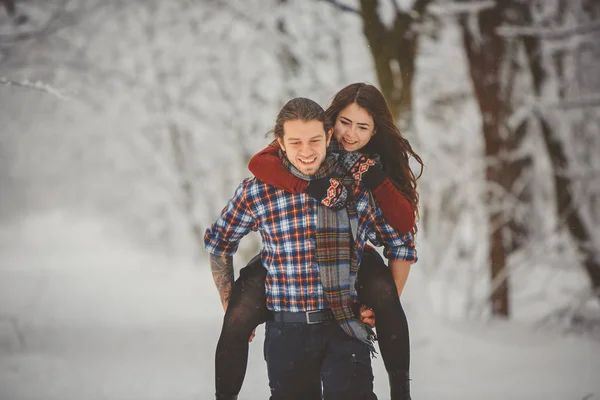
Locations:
{"points": [[287, 224]]}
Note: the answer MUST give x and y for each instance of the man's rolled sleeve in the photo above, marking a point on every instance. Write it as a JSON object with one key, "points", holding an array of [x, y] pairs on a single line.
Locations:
{"points": [[396, 246], [223, 237], [405, 251]]}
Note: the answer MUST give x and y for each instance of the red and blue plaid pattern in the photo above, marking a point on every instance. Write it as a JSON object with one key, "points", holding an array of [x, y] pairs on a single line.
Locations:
{"points": [[287, 223]]}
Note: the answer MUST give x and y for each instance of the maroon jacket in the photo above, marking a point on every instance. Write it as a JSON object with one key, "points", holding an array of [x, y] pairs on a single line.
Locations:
{"points": [[397, 210]]}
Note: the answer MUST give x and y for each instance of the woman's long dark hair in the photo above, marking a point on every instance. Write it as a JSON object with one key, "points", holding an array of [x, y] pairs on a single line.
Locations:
{"points": [[393, 149]]}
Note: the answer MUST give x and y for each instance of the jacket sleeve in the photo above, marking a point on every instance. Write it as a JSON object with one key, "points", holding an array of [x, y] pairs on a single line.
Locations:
{"points": [[267, 167], [397, 210]]}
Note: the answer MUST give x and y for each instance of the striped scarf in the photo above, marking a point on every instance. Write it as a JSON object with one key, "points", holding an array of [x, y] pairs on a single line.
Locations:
{"points": [[338, 266]]}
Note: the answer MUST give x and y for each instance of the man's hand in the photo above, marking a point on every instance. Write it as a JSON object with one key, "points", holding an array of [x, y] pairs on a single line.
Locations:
{"points": [[367, 316]]}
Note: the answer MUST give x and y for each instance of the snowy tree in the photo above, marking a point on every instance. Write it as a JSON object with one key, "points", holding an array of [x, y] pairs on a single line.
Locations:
{"points": [[561, 39], [204, 81], [495, 62], [210, 107], [515, 206], [493, 78], [392, 33]]}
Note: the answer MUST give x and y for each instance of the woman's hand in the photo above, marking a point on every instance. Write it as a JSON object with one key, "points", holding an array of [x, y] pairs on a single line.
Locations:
{"points": [[328, 191], [367, 316], [369, 171]]}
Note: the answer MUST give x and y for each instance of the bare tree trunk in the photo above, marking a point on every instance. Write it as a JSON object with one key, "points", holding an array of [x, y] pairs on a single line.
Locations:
{"points": [[485, 50], [11, 11], [289, 62], [394, 52]]}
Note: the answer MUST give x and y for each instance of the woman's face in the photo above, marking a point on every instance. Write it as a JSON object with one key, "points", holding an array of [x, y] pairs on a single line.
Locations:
{"points": [[353, 127]]}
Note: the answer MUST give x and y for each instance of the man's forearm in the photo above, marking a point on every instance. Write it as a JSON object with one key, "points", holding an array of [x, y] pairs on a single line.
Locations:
{"points": [[222, 272], [400, 270]]}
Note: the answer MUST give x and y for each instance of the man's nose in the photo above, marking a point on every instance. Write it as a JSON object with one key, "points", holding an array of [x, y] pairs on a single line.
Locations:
{"points": [[306, 148]]}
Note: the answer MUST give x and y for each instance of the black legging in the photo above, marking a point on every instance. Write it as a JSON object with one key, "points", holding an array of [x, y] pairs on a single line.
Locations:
{"points": [[247, 309]]}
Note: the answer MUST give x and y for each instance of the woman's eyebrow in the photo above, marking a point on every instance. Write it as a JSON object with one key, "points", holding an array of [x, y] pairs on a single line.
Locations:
{"points": [[358, 123]]}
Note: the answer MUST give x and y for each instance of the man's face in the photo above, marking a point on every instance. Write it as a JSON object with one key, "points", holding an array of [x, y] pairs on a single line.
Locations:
{"points": [[305, 144]]}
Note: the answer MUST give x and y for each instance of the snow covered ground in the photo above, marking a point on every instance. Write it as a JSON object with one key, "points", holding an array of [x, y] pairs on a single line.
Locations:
{"points": [[85, 314]]}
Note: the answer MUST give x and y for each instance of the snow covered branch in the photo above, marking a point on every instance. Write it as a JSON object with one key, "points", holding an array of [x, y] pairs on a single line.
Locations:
{"points": [[445, 9], [38, 85], [541, 106], [455, 8], [343, 7], [592, 100], [50, 26], [548, 33]]}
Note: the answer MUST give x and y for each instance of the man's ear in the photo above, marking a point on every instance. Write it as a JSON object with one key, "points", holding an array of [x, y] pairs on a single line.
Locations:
{"points": [[329, 135], [280, 142]]}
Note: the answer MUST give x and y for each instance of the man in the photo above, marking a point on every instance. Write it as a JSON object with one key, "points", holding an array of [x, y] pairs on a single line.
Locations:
{"points": [[314, 345]]}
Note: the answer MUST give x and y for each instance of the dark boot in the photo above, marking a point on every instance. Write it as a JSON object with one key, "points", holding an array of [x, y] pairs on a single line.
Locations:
{"points": [[399, 385], [226, 397]]}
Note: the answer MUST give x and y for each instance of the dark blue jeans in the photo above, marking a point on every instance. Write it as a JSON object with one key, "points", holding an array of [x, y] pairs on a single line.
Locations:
{"points": [[301, 356]]}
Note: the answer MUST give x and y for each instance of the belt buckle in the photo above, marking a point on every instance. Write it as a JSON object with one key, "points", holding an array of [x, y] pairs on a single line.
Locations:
{"points": [[308, 322]]}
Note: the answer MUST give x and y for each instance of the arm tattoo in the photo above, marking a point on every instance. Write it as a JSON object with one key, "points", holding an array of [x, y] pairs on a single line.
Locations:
{"points": [[222, 271]]}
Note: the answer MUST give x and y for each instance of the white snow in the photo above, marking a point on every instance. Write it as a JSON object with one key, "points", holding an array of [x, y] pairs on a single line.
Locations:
{"points": [[86, 314]]}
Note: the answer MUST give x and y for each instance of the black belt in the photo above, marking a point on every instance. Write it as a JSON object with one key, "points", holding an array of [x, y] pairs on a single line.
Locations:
{"points": [[305, 317]]}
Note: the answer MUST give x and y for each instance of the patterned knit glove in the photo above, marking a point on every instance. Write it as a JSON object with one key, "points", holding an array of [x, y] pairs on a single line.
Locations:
{"points": [[366, 170], [328, 191]]}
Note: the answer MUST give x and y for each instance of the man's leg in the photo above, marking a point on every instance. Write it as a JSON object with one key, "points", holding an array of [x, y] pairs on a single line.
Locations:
{"points": [[346, 369], [245, 311], [292, 352]]}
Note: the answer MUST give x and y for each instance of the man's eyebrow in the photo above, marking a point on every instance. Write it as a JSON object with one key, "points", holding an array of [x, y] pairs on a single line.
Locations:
{"points": [[317, 136]]}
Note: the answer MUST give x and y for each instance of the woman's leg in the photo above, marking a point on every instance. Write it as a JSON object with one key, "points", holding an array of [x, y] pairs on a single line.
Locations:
{"points": [[377, 289], [245, 311]]}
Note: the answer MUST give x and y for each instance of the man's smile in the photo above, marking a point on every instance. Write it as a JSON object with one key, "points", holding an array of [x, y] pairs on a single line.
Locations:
{"points": [[307, 160]]}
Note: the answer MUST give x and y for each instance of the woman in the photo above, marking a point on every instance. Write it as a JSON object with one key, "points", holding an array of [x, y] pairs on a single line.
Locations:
{"points": [[362, 122]]}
